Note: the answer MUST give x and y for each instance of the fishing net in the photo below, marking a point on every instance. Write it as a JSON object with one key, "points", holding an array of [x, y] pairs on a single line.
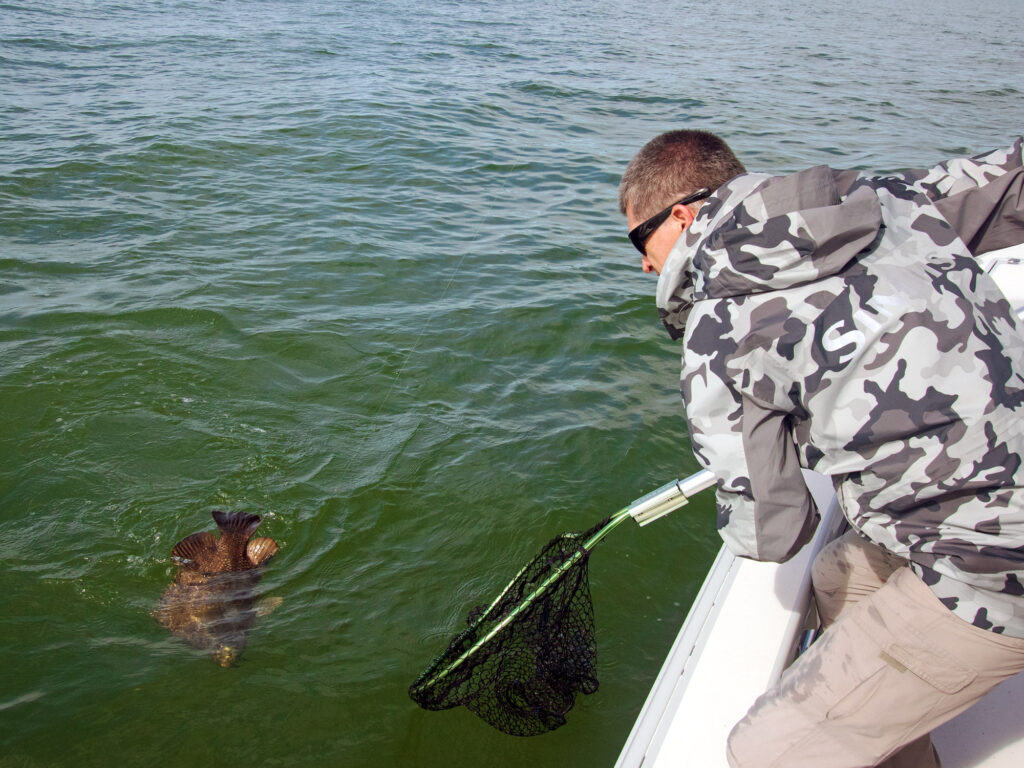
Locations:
{"points": [[522, 659]]}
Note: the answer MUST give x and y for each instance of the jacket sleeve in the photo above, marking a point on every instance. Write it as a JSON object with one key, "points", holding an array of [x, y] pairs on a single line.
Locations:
{"points": [[982, 197], [765, 511]]}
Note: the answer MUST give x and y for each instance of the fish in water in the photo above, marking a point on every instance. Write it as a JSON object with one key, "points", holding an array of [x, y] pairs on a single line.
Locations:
{"points": [[212, 602]]}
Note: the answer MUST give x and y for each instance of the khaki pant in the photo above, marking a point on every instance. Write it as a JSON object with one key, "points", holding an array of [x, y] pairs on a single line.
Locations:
{"points": [[893, 664]]}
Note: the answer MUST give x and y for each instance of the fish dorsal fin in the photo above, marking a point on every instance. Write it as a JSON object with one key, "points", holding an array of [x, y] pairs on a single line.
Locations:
{"points": [[260, 550], [195, 547], [237, 522]]}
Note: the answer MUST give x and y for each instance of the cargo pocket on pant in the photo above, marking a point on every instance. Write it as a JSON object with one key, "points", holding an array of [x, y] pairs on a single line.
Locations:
{"points": [[898, 666], [902, 668], [939, 670]]}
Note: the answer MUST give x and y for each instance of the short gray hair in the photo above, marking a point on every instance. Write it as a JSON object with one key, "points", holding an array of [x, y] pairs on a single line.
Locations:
{"points": [[672, 166]]}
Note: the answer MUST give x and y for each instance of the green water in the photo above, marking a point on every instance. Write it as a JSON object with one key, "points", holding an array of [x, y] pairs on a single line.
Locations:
{"points": [[358, 268]]}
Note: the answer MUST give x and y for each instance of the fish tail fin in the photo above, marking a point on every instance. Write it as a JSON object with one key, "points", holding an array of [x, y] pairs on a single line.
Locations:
{"points": [[236, 522], [260, 550]]}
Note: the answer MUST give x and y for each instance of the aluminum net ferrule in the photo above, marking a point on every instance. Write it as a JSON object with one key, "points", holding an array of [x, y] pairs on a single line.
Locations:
{"points": [[669, 497]]}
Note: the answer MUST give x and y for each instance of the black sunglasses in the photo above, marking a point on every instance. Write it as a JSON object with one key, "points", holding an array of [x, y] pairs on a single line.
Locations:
{"points": [[639, 234]]}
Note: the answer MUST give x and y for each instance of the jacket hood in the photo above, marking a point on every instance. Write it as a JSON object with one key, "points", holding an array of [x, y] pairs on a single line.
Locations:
{"points": [[761, 233]]}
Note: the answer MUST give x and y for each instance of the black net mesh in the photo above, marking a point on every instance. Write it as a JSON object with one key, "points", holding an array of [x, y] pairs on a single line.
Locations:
{"points": [[525, 679]]}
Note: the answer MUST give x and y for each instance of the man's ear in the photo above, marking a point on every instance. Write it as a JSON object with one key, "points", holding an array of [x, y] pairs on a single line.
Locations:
{"points": [[682, 215]]}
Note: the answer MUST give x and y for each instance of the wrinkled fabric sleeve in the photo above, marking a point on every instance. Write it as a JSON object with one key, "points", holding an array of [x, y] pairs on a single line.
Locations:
{"points": [[765, 511], [982, 198]]}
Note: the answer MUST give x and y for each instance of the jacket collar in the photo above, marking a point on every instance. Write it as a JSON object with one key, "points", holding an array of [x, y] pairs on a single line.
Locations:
{"points": [[761, 233]]}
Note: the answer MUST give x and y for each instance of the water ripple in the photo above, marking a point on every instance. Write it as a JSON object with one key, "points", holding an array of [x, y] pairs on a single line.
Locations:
{"points": [[358, 268]]}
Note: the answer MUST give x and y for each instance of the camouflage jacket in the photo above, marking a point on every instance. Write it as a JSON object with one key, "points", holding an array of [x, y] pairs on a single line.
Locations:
{"points": [[839, 322]]}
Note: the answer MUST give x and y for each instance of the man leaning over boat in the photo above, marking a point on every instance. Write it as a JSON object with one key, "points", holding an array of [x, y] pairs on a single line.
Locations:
{"points": [[839, 322]]}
